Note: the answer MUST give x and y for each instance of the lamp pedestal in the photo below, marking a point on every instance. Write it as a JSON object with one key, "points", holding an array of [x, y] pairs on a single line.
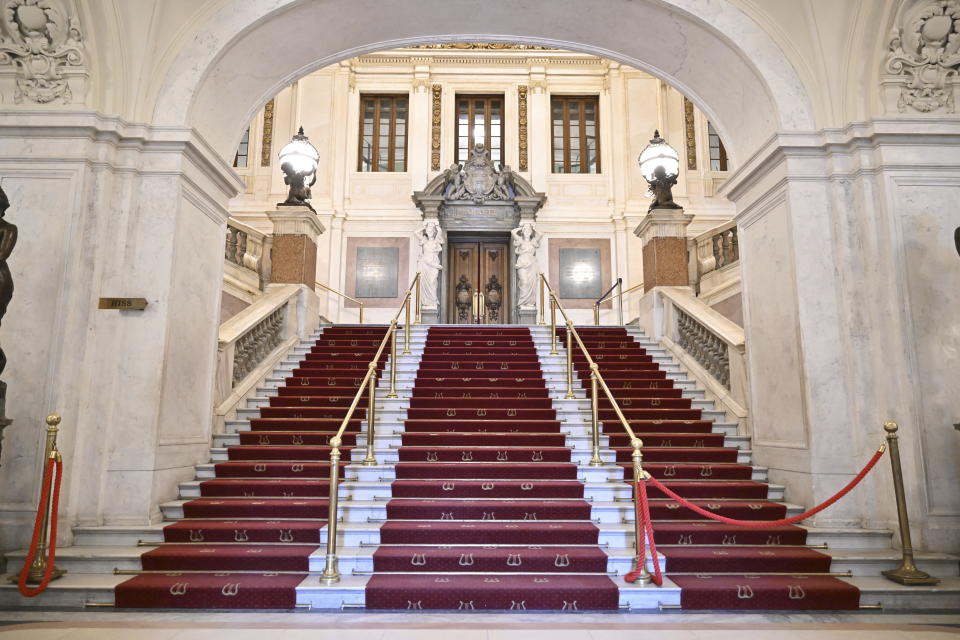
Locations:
{"points": [[664, 236], [294, 252]]}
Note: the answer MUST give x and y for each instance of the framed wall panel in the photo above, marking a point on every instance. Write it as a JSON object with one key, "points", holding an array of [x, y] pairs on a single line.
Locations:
{"points": [[579, 273], [600, 245], [365, 276]]}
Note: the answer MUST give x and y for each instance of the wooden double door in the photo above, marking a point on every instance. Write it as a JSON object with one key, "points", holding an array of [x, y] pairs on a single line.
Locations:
{"points": [[478, 282]]}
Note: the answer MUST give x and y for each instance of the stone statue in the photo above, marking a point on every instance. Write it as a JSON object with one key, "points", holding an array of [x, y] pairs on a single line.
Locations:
{"points": [[8, 239], [505, 188], [431, 244], [454, 188], [526, 240], [299, 189], [661, 187]]}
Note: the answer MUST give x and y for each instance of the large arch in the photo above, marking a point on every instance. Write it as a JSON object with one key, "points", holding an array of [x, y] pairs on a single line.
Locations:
{"points": [[710, 50]]}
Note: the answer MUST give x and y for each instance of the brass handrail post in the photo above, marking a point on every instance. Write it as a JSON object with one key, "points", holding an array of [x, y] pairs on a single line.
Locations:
{"points": [[553, 325], [370, 459], [393, 361], [331, 572], [406, 325], [596, 313], [907, 573], [542, 301], [417, 281], [595, 460], [639, 475], [570, 395], [361, 313], [39, 565]]}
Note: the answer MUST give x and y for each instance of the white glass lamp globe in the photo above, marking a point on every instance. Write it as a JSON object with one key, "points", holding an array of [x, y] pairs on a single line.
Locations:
{"points": [[300, 154], [658, 154]]}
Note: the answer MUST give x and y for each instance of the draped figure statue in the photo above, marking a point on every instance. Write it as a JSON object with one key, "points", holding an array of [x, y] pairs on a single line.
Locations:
{"points": [[431, 244], [8, 239], [526, 240]]}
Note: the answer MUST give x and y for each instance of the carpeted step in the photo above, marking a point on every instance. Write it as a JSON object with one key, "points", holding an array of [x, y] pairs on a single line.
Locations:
{"points": [[489, 532], [669, 439], [643, 427], [448, 439], [525, 559], [271, 531], [499, 509], [274, 469], [486, 488], [472, 380], [209, 591], [265, 488], [705, 591], [255, 508], [436, 390], [487, 470], [704, 455], [281, 453], [766, 559], [478, 592], [512, 425], [212, 557], [491, 413], [695, 489], [293, 438], [484, 454], [738, 509], [687, 471], [417, 402], [721, 533]]}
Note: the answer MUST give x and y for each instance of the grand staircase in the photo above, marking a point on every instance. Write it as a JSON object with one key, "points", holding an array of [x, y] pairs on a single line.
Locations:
{"points": [[479, 443]]}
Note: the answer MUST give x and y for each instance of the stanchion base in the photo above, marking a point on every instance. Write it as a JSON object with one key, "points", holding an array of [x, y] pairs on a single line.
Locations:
{"points": [[910, 577], [329, 580], [369, 463], [35, 578]]}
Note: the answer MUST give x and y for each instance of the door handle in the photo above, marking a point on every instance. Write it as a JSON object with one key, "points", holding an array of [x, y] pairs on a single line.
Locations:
{"points": [[479, 306]]}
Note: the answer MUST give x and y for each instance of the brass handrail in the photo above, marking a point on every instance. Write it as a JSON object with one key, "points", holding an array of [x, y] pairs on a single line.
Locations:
{"points": [[343, 295], [607, 297], [596, 380], [331, 571]]}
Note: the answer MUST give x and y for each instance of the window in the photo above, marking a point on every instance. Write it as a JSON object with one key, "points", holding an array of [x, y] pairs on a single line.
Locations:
{"points": [[718, 154], [480, 119], [576, 141], [243, 151], [383, 133]]}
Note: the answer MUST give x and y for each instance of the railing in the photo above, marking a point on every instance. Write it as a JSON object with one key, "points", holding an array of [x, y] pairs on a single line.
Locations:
{"points": [[248, 249], [706, 343], [710, 252], [345, 296], [619, 296], [252, 342], [331, 572], [596, 384]]}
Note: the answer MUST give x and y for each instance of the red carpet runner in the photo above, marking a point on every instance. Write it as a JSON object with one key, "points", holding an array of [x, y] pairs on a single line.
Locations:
{"points": [[486, 511], [772, 568], [268, 502]]}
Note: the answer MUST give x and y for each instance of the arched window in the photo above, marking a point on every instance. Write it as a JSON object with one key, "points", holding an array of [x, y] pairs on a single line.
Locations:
{"points": [[718, 153], [243, 151]]}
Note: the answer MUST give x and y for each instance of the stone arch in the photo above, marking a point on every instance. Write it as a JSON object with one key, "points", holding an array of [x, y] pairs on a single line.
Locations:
{"points": [[711, 51]]}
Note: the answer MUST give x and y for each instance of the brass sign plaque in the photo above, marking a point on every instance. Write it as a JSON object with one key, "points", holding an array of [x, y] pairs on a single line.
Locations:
{"points": [[128, 304]]}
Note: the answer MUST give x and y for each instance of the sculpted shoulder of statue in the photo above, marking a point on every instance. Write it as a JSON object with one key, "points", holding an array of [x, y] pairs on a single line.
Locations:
{"points": [[8, 240]]}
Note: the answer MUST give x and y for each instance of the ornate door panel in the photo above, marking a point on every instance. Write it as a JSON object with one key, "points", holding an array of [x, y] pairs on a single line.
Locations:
{"points": [[478, 281]]}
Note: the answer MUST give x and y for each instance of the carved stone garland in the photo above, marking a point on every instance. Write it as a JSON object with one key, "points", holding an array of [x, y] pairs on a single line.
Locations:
{"points": [[435, 128], [40, 40], [522, 124], [707, 349], [266, 142], [924, 50], [256, 344]]}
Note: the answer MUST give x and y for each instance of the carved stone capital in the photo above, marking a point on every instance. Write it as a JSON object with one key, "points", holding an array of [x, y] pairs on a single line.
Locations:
{"points": [[296, 221], [663, 223]]}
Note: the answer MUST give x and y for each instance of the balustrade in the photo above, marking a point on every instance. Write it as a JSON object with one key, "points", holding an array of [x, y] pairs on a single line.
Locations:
{"points": [[708, 349], [249, 250]]}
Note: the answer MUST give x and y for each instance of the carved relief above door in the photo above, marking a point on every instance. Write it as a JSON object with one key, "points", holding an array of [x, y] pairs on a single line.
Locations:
{"points": [[479, 286]]}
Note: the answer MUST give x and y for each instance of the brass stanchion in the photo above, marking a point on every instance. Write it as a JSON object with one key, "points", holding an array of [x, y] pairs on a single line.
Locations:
{"points": [[406, 325], [417, 286], [553, 325], [370, 459], [596, 313], [907, 573], [331, 571], [639, 476], [393, 361], [543, 300], [39, 565], [570, 395], [595, 460], [361, 313]]}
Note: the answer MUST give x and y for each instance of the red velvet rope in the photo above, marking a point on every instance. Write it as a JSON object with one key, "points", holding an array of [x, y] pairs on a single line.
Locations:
{"points": [[32, 553], [761, 524], [644, 531]]}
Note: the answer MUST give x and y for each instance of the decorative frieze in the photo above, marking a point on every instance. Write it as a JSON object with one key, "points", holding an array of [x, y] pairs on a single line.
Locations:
{"points": [[497, 46], [522, 123], [690, 133], [266, 143], [707, 349], [435, 128], [923, 57], [42, 48], [255, 345]]}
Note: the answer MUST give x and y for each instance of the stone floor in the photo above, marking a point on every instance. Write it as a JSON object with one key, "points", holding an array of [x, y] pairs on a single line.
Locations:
{"points": [[115, 625]]}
